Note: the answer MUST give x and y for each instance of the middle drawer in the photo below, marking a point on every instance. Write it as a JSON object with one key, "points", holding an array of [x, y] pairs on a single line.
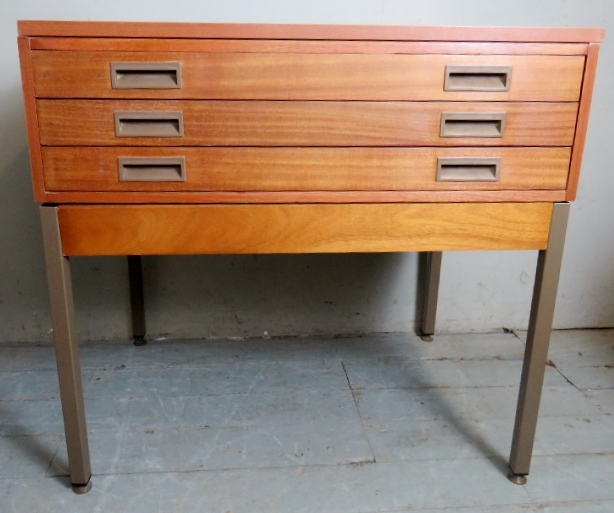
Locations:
{"points": [[304, 123]]}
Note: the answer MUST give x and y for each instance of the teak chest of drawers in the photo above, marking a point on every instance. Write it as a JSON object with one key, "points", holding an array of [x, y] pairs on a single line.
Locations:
{"points": [[164, 138]]}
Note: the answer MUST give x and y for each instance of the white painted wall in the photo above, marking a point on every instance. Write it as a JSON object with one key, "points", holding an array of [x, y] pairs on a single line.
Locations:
{"points": [[245, 295]]}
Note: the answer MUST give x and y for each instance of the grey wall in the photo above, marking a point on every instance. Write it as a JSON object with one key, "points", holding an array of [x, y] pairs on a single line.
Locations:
{"points": [[246, 295]]}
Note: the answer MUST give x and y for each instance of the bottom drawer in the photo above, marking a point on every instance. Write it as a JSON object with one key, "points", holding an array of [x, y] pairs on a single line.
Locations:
{"points": [[324, 228], [303, 169]]}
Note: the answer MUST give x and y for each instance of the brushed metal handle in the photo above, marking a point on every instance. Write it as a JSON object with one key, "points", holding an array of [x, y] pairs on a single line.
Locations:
{"points": [[146, 75], [148, 169], [148, 124], [472, 124], [468, 169], [477, 78]]}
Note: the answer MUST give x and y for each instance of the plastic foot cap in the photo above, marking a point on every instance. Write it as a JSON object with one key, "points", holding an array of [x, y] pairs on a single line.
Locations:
{"points": [[139, 341], [81, 489], [518, 479], [427, 338]]}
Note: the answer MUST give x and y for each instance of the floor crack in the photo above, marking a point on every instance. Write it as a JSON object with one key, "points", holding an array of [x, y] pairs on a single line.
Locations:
{"points": [[362, 422]]}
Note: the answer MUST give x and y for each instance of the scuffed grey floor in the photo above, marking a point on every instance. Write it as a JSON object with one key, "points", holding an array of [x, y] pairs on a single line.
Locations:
{"points": [[369, 424]]}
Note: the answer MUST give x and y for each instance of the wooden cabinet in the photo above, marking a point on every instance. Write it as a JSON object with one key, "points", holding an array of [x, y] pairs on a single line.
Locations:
{"points": [[279, 112], [162, 138]]}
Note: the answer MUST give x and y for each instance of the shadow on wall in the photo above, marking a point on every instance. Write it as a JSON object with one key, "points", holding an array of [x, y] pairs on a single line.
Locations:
{"points": [[23, 296], [248, 295], [24, 303]]}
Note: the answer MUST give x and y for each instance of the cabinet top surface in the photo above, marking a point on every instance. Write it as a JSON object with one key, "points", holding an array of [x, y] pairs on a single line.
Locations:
{"points": [[35, 28]]}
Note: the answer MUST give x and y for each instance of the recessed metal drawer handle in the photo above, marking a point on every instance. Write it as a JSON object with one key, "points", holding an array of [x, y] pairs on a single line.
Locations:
{"points": [[148, 124], [147, 169], [472, 124], [468, 169], [146, 75], [477, 78]]}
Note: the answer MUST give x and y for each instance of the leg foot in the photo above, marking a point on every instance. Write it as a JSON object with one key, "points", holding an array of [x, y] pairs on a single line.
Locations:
{"points": [[517, 479], [82, 489], [139, 341], [426, 338]]}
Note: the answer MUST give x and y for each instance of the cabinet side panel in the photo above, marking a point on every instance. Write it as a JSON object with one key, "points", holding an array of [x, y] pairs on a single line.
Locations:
{"points": [[582, 124], [34, 145]]}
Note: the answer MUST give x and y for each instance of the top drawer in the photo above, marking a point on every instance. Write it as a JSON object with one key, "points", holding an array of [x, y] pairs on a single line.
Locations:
{"points": [[259, 76]]}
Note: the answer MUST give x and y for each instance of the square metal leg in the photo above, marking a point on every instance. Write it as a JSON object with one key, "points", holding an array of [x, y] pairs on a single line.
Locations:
{"points": [[137, 303], [66, 351], [431, 292], [538, 339]]}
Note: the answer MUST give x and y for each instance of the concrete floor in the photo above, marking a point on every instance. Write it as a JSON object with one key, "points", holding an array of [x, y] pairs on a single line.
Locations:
{"points": [[371, 424]]}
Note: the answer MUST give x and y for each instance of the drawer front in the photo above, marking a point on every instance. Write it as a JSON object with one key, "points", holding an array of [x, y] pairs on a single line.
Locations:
{"points": [[304, 169], [275, 123], [153, 229], [249, 76]]}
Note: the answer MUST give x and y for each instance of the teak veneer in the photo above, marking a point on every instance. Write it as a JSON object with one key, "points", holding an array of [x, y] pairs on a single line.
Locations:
{"points": [[282, 123], [306, 169], [167, 138], [129, 229]]}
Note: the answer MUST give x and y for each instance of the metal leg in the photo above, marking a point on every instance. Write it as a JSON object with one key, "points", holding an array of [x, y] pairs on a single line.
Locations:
{"points": [[66, 351], [538, 338], [429, 310], [137, 304]]}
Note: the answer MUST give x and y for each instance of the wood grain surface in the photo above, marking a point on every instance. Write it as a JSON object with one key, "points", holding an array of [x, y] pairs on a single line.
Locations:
{"points": [[282, 31], [34, 144], [583, 115], [304, 169], [237, 76], [383, 67], [233, 229], [315, 123], [294, 197], [286, 46]]}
